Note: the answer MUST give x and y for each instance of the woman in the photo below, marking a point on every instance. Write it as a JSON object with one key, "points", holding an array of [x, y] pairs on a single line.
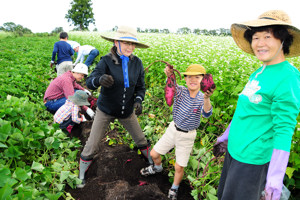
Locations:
{"points": [[260, 134], [121, 77]]}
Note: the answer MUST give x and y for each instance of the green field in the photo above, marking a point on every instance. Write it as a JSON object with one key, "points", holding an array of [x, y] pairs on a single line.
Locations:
{"points": [[37, 160]]}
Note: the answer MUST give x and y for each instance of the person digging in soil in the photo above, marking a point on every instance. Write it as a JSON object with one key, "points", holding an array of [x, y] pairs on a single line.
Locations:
{"points": [[260, 134], [189, 105], [65, 85], [69, 114], [121, 77]]}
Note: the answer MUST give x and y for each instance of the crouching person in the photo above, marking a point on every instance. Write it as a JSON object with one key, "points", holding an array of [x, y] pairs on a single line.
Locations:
{"points": [[69, 114], [189, 105], [64, 86]]}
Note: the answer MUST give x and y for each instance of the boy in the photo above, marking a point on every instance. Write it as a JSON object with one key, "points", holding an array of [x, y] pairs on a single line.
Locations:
{"points": [[85, 50], [68, 114], [189, 105], [64, 54]]}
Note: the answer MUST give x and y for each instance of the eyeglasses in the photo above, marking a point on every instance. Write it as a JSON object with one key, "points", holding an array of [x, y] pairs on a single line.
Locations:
{"points": [[127, 44]]}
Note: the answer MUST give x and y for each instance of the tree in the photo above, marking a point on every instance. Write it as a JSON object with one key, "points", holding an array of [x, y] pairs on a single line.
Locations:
{"points": [[57, 30], [81, 14], [9, 27]]}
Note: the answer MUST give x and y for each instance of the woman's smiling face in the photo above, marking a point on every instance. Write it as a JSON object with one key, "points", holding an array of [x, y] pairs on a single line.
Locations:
{"points": [[267, 48], [125, 48]]}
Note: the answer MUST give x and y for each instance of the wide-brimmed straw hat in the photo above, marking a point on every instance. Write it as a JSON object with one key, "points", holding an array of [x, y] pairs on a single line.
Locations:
{"points": [[128, 34], [80, 98], [195, 69], [272, 17]]}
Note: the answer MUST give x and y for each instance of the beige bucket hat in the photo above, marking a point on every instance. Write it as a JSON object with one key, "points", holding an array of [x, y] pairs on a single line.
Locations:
{"points": [[195, 69], [126, 33], [272, 17]]}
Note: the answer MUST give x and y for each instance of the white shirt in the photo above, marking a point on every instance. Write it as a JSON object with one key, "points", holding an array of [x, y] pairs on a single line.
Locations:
{"points": [[82, 52]]}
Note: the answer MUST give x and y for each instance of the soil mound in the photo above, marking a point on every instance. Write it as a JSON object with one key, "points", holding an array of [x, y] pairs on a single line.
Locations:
{"points": [[115, 174]]}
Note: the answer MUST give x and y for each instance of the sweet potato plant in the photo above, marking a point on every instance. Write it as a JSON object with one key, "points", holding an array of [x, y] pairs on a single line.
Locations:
{"points": [[37, 160]]}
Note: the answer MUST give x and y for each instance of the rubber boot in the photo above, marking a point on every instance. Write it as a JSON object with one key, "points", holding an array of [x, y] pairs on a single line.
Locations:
{"points": [[83, 167], [146, 153]]}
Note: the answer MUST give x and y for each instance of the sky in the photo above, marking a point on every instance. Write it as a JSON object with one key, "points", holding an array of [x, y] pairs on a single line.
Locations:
{"points": [[46, 15]]}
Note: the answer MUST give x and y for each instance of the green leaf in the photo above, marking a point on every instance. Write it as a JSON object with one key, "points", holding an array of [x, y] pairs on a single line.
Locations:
{"points": [[13, 152], [5, 175], [211, 197], [37, 166], [20, 174], [3, 145], [53, 196], [5, 131], [289, 171], [6, 192], [193, 162], [64, 175]]}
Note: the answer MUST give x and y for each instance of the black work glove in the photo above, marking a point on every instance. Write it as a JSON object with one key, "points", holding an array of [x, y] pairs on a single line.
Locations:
{"points": [[106, 80], [138, 107], [220, 149]]}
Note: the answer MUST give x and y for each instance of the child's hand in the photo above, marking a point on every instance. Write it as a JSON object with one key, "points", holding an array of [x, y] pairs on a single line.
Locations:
{"points": [[168, 71], [83, 118], [208, 93]]}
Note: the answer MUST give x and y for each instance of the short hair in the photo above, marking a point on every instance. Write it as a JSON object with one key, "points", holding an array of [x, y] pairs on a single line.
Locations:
{"points": [[279, 32], [63, 35]]}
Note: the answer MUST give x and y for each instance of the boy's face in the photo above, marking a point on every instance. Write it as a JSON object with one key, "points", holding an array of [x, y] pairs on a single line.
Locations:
{"points": [[193, 82], [76, 49], [78, 76]]}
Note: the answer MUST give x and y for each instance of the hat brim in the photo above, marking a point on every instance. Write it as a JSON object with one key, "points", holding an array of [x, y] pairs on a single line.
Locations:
{"points": [[78, 103], [238, 30], [138, 44]]}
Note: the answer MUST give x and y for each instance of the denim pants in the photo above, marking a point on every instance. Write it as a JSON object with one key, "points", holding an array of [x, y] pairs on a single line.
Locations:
{"points": [[53, 105], [93, 54], [66, 123]]}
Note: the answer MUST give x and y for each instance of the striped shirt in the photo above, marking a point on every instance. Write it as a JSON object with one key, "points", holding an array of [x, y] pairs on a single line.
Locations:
{"points": [[187, 111], [66, 111]]}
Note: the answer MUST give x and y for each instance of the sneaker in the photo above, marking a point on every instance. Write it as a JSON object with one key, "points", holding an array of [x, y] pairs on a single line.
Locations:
{"points": [[150, 170], [172, 194], [82, 184]]}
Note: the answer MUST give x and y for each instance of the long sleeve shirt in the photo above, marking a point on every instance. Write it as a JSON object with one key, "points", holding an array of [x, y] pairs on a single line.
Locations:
{"points": [[117, 100], [82, 52], [62, 86], [63, 51], [266, 114], [69, 109]]}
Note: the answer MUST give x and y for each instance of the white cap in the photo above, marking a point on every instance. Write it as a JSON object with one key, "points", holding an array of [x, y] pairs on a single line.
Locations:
{"points": [[81, 68]]}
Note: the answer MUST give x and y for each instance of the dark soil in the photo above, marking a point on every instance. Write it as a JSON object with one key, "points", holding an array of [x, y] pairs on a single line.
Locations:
{"points": [[115, 174]]}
